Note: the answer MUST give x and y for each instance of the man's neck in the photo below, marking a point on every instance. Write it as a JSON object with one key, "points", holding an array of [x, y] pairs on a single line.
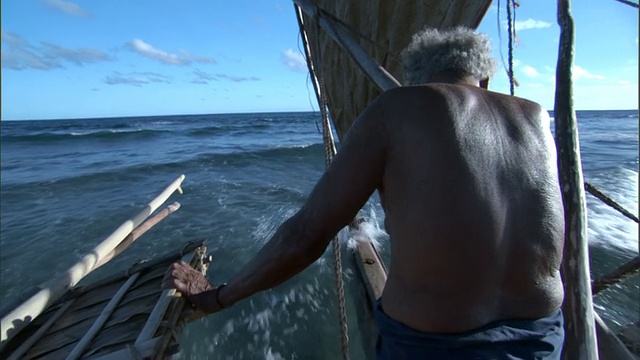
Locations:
{"points": [[455, 79]]}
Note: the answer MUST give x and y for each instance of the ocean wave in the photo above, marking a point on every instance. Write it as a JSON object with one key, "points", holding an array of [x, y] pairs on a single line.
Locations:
{"points": [[236, 159], [227, 129], [608, 228], [113, 133]]}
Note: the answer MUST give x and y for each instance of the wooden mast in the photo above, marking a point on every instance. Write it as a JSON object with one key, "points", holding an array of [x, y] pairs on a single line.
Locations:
{"points": [[580, 336]]}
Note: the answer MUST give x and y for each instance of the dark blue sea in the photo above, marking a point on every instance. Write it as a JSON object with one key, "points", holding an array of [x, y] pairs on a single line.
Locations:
{"points": [[67, 184]]}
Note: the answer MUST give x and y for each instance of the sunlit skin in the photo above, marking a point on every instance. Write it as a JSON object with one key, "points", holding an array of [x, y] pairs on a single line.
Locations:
{"points": [[468, 182]]}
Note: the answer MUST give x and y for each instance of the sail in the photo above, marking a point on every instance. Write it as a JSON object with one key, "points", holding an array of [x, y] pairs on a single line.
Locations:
{"points": [[383, 28]]}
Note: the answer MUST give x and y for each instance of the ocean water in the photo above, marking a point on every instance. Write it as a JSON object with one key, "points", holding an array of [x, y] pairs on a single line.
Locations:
{"points": [[66, 184]]}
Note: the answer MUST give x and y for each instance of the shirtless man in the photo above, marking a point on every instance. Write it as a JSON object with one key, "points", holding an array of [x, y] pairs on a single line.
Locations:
{"points": [[468, 182]]}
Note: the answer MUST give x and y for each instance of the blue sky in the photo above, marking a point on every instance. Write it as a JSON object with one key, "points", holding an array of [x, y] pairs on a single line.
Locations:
{"points": [[87, 58]]}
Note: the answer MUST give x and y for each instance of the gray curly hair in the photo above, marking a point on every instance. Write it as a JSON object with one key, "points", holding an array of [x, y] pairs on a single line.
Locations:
{"points": [[432, 51]]}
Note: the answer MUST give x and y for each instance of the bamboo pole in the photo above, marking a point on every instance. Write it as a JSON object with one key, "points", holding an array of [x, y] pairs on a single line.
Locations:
{"points": [[102, 319], [376, 72], [138, 267], [580, 336], [20, 317], [139, 231]]}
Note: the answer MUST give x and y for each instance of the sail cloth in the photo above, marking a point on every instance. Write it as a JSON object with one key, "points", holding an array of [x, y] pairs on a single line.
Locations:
{"points": [[384, 29]]}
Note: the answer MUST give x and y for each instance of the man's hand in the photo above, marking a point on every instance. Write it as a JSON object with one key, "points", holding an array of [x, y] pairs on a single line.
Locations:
{"points": [[193, 286]]}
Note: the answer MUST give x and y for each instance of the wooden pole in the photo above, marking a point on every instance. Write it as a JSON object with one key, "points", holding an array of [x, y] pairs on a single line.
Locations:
{"points": [[580, 337], [158, 312], [20, 317], [376, 72], [616, 276], [82, 345], [139, 231]]}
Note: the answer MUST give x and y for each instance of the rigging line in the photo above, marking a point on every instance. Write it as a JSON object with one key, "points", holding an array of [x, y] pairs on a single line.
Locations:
{"points": [[330, 151], [511, 31], [630, 3], [309, 61], [607, 200], [504, 66]]}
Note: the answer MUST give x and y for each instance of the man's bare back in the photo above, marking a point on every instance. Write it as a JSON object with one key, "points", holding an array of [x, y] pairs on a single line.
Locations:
{"points": [[472, 205], [469, 187]]}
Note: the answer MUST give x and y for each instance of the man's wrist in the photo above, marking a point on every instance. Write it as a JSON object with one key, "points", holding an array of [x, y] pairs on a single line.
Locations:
{"points": [[220, 304]]}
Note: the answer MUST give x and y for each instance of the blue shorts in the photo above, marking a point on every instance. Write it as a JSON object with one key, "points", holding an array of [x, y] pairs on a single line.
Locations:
{"points": [[505, 339]]}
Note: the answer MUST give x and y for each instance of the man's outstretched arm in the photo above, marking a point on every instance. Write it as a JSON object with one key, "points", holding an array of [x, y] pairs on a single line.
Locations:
{"points": [[354, 174]]}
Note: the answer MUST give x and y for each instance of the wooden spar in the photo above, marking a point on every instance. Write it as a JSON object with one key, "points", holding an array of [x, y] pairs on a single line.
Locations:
{"points": [[157, 313], [378, 74], [372, 269], [580, 336], [307, 53], [607, 200], [52, 290], [617, 275], [81, 290], [176, 318], [139, 231], [102, 319]]}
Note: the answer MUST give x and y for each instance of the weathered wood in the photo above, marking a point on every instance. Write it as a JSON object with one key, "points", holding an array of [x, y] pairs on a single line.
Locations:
{"points": [[616, 276], [610, 347], [580, 336], [376, 73], [158, 312], [102, 319], [139, 267], [139, 231], [177, 318], [142, 351], [25, 346], [52, 290], [372, 269]]}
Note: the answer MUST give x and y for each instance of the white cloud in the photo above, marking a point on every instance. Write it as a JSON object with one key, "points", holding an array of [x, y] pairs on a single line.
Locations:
{"points": [[196, 58], [531, 24], [149, 51], [293, 60], [235, 78], [202, 77], [68, 7], [186, 58], [13, 39], [530, 71], [579, 72], [136, 78], [19, 54]]}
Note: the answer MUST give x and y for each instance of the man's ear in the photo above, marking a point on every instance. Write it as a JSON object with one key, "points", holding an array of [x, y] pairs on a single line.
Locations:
{"points": [[484, 83]]}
